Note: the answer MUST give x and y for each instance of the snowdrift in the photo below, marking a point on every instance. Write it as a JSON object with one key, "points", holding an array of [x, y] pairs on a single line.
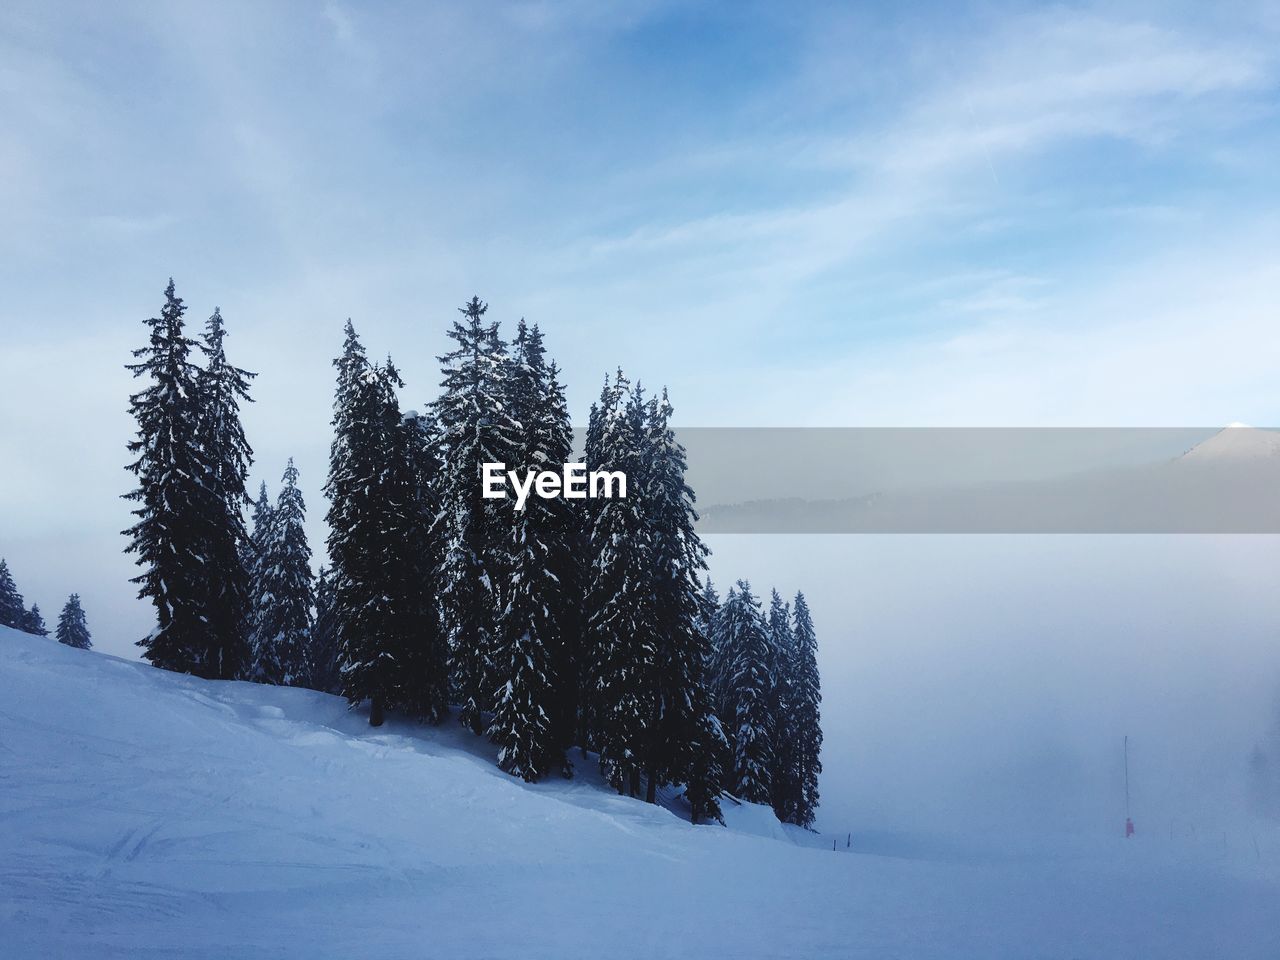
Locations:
{"points": [[146, 813]]}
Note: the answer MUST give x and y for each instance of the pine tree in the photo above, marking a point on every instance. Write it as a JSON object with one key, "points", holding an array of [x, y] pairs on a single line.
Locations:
{"points": [[806, 713], [364, 481], [260, 531], [13, 609], [785, 775], [254, 557], [283, 592], [383, 608], [352, 366], [220, 388], [683, 726], [476, 427], [720, 664], [326, 675], [530, 717], [176, 505], [419, 535], [622, 660], [706, 774], [72, 628], [567, 547], [33, 622], [750, 658]]}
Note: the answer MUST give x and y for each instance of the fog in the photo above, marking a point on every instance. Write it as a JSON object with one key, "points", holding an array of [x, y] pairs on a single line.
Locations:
{"points": [[984, 684], [972, 683]]}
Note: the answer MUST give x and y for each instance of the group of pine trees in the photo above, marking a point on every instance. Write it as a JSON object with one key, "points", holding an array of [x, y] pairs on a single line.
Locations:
{"points": [[229, 605], [568, 622], [72, 628], [763, 678]]}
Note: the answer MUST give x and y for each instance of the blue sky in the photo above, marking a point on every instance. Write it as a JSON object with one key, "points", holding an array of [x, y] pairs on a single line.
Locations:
{"points": [[882, 214]]}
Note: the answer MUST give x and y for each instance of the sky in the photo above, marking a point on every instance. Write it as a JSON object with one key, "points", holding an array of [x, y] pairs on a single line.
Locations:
{"points": [[950, 214]]}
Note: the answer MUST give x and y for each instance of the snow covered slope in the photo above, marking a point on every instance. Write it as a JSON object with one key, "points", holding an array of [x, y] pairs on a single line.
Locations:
{"points": [[144, 813], [1236, 442]]}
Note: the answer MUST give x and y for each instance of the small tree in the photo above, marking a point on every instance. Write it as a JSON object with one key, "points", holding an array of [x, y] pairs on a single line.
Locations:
{"points": [[72, 628], [283, 591], [326, 675], [33, 622], [13, 611]]}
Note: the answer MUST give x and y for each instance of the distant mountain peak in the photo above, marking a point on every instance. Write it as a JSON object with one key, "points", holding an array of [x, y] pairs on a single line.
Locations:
{"points": [[1236, 441]]}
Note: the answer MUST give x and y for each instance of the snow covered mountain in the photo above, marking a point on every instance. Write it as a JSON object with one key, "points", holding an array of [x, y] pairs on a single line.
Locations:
{"points": [[1236, 442], [147, 813]]}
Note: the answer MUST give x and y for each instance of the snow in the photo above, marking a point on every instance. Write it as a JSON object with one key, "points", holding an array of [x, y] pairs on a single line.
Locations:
{"points": [[1237, 441], [145, 813]]}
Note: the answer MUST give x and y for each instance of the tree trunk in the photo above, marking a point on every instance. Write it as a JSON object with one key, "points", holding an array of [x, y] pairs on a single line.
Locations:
{"points": [[375, 712], [651, 794]]}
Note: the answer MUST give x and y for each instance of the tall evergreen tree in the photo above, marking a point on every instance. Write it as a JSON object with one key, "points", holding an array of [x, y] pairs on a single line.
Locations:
{"points": [[806, 712], [356, 466], [476, 427], [682, 725], [719, 662], [254, 556], [73, 629], [750, 657], [785, 774], [530, 720], [13, 609], [363, 478], [260, 530], [419, 531], [221, 386], [33, 622], [622, 659], [567, 545], [382, 608], [176, 505], [587, 659], [352, 367], [326, 675], [283, 592]]}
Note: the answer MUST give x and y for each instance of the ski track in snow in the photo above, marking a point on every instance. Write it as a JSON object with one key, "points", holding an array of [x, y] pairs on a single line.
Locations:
{"points": [[145, 814]]}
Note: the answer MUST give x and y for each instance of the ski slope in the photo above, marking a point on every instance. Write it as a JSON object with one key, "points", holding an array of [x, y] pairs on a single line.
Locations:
{"points": [[148, 814]]}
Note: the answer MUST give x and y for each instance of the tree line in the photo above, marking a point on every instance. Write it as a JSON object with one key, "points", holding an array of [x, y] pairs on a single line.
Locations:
{"points": [[569, 623], [72, 628]]}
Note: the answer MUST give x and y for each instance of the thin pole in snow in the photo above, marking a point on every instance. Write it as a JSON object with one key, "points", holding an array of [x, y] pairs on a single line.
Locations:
{"points": [[1126, 776], [1128, 821]]}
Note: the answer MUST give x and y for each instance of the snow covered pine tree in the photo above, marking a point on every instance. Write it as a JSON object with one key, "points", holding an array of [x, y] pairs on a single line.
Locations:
{"points": [[282, 591], [324, 655], [33, 622], [785, 773], [475, 428], [72, 629], [13, 609], [622, 656], [220, 387], [182, 512], [382, 607], [531, 660], [807, 700], [750, 660]]}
